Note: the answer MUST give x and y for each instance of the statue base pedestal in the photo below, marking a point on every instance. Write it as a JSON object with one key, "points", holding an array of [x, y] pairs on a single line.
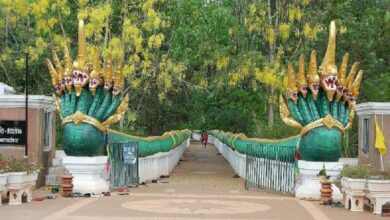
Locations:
{"points": [[309, 185], [88, 174]]}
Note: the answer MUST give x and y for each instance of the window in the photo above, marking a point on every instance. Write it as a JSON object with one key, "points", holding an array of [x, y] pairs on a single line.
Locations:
{"points": [[48, 120], [366, 135]]}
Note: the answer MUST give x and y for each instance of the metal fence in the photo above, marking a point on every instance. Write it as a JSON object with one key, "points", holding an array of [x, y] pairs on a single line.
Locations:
{"points": [[270, 167], [123, 164]]}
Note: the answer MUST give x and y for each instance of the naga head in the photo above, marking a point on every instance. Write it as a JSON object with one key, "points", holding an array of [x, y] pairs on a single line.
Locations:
{"points": [[301, 81], [353, 91], [292, 92], [341, 82], [348, 90], [328, 69], [108, 76], [96, 73], [312, 77], [56, 77], [118, 84], [80, 68], [67, 76]]}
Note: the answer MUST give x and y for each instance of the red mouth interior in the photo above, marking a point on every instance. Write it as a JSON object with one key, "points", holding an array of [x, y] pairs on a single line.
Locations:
{"points": [[80, 76], [331, 82], [315, 87], [294, 96], [340, 89], [68, 81], [93, 83]]}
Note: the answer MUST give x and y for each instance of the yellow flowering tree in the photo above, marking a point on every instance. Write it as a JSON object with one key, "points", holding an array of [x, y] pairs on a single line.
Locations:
{"points": [[29, 27], [278, 24]]}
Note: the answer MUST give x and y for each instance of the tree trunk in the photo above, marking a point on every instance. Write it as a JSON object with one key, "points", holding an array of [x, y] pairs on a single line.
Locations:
{"points": [[271, 60]]}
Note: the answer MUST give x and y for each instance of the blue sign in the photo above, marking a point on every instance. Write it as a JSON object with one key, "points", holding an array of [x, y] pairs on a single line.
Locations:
{"points": [[129, 153]]}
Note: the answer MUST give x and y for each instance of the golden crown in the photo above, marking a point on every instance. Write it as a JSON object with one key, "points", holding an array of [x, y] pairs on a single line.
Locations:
{"points": [[331, 80], [85, 69]]}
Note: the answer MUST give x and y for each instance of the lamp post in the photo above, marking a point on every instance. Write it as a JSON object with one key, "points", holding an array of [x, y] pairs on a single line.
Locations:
{"points": [[26, 110]]}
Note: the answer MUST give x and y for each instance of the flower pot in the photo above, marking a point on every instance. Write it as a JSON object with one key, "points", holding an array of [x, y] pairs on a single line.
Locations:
{"points": [[378, 185], [32, 177], [17, 178], [3, 180], [353, 184]]}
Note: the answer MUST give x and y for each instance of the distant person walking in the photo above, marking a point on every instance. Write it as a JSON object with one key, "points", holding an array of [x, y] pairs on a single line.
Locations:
{"points": [[204, 138]]}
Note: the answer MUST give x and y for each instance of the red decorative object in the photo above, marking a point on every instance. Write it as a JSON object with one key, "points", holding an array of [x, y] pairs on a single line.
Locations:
{"points": [[67, 185], [326, 192]]}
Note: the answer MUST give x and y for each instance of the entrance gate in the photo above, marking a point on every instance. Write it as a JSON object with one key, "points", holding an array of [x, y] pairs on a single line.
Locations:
{"points": [[270, 168], [123, 164]]}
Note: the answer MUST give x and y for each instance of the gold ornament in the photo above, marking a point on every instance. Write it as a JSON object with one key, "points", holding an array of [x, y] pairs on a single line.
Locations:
{"points": [[120, 112], [328, 121], [286, 115], [56, 102], [79, 117]]}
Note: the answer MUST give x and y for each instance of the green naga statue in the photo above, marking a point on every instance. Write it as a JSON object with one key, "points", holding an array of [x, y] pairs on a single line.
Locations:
{"points": [[320, 104], [89, 103], [325, 111]]}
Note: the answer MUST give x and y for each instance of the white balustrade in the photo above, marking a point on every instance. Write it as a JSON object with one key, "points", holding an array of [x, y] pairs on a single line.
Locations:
{"points": [[160, 164]]}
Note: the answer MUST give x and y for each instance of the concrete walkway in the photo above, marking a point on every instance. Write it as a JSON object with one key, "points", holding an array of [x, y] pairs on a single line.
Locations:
{"points": [[202, 186]]}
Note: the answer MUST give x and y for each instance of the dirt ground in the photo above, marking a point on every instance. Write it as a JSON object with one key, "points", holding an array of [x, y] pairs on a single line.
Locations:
{"points": [[202, 186]]}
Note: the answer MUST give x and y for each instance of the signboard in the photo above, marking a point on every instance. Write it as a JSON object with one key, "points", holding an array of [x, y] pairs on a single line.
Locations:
{"points": [[129, 153], [12, 132]]}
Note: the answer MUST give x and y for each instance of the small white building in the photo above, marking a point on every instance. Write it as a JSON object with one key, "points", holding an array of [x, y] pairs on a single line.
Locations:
{"points": [[367, 113], [39, 130]]}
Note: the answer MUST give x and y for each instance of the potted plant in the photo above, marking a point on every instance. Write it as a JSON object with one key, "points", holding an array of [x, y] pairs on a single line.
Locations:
{"points": [[17, 170], [379, 181], [3, 174], [33, 171], [354, 177]]}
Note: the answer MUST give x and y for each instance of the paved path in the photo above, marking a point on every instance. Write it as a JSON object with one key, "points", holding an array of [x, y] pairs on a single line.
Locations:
{"points": [[202, 186]]}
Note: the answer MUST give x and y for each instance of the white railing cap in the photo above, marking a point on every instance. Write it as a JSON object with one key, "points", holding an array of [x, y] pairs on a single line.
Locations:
{"points": [[378, 108], [34, 101]]}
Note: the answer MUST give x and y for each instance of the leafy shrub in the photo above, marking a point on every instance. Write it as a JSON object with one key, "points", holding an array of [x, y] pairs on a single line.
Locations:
{"points": [[3, 164], [375, 173], [21, 165], [356, 172]]}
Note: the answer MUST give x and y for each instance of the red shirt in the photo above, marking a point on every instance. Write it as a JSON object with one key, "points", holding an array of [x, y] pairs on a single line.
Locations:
{"points": [[204, 137]]}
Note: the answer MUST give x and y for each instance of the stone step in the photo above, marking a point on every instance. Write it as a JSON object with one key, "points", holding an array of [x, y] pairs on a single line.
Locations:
{"points": [[53, 180], [57, 170], [57, 162], [60, 154]]}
